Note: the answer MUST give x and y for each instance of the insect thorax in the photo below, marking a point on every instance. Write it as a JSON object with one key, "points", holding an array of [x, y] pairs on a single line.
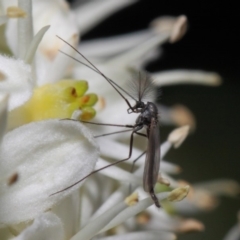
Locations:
{"points": [[149, 112]]}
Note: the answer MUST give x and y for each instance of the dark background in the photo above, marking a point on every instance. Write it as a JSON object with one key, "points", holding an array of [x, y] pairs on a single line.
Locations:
{"points": [[211, 44]]}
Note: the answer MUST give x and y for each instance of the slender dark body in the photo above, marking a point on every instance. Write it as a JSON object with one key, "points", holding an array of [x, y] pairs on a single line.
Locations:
{"points": [[147, 118]]}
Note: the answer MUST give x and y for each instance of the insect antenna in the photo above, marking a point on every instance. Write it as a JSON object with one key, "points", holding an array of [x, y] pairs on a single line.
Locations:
{"points": [[77, 60], [94, 68], [142, 86]]}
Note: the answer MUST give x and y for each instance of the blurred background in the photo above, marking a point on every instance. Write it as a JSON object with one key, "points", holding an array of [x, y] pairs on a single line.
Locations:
{"points": [[211, 43]]}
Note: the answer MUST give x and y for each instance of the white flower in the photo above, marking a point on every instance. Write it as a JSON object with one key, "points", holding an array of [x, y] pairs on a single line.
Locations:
{"points": [[34, 157], [44, 12], [18, 80], [42, 162], [26, 151]]}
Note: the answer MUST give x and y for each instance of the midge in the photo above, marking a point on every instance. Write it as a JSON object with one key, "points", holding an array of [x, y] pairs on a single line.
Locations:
{"points": [[148, 118]]}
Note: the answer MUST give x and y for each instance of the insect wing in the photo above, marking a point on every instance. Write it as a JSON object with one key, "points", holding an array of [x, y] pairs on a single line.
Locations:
{"points": [[152, 161]]}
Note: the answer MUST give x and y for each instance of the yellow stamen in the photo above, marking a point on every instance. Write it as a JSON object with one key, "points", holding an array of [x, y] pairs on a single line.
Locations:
{"points": [[132, 199], [178, 194], [87, 113], [143, 217], [88, 100], [15, 12], [58, 100]]}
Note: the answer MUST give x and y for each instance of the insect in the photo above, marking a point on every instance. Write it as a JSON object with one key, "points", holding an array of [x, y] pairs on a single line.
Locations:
{"points": [[148, 118]]}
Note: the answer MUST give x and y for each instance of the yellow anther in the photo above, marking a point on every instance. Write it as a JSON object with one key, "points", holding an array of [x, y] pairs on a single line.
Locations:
{"points": [[15, 12], [132, 199], [88, 100], [80, 86], [87, 113], [178, 194], [58, 100]]}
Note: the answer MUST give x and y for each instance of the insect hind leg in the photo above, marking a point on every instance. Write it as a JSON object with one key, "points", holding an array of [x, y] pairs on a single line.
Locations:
{"points": [[135, 160], [97, 170], [143, 135]]}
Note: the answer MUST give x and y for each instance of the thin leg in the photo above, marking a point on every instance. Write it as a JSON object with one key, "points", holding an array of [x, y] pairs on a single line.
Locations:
{"points": [[109, 124], [137, 160], [102, 124], [106, 134], [95, 171], [130, 186], [143, 135]]}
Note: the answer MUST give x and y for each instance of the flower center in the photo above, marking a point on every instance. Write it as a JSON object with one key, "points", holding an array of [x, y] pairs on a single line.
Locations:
{"points": [[58, 100]]}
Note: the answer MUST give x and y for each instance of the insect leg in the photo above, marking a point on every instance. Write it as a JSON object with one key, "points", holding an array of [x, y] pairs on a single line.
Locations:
{"points": [[133, 164], [102, 124], [143, 135], [106, 134], [130, 186], [112, 164]]}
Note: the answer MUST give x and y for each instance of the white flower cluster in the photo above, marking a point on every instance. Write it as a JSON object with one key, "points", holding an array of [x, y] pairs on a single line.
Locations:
{"points": [[38, 159]]}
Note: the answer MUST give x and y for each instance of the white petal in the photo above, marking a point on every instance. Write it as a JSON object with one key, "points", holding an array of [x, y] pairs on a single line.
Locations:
{"points": [[47, 156], [106, 47], [57, 68], [116, 197], [186, 77], [179, 29], [62, 21], [186, 207], [3, 20], [178, 115], [11, 30], [18, 81], [160, 220], [132, 211], [25, 28], [11, 33], [220, 187], [169, 168], [172, 182], [90, 230], [129, 58], [45, 227], [96, 189], [100, 10], [28, 58], [90, 198], [143, 235], [117, 44], [3, 115], [165, 147], [178, 135], [68, 210]]}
